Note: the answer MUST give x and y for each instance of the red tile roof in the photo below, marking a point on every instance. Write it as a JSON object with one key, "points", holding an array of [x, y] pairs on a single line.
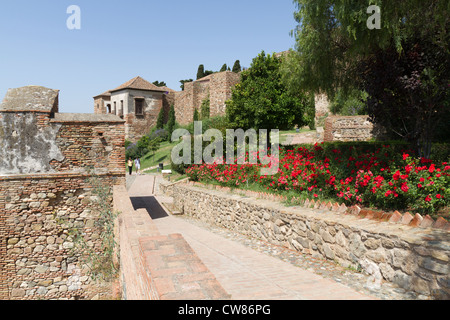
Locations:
{"points": [[139, 84]]}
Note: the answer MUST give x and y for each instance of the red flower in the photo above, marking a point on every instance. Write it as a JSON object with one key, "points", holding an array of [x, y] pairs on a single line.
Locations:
{"points": [[431, 170], [404, 187], [405, 156], [396, 175], [428, 199], [438, 196]]}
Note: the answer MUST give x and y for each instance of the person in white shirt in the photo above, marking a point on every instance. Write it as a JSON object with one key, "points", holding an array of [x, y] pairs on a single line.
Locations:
{"points": [[137, 163]]}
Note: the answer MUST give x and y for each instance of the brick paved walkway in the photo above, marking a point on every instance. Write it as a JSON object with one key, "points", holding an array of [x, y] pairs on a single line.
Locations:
{"points": [[243, 272]]}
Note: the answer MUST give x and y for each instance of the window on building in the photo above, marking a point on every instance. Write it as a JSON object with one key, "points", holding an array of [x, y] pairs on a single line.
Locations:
{"points": [[115, 108], [139, 106], [121, 108], [109, 108]]}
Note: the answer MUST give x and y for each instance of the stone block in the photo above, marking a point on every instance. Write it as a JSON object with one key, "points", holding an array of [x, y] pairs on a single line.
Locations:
{"points": [[416, 221], [407, 218], [441, 223], [427, 222], [396, 217]]}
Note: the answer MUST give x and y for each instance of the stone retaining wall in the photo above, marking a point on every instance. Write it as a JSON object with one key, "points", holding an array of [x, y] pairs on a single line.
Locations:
{"points": [[414, 258]]}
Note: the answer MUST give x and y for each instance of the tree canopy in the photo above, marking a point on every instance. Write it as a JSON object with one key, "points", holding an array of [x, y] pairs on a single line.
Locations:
{"points": [[402, 65], [332, 37], [261, 100]]}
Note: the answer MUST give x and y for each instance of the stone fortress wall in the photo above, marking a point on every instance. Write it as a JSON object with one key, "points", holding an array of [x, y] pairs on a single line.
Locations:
{"points": [[47, 162], [217, 86]]}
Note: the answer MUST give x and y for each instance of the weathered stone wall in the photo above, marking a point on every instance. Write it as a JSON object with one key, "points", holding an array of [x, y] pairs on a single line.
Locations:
{"points": [[414, 258], [218, 86], [47, 162], [222, 84], [89, 142], [350, 128], [37, 216]]}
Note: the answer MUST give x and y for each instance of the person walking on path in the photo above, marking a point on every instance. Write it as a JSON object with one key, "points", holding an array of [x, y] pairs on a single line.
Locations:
{"points": [[130, 166], [137, 163]]}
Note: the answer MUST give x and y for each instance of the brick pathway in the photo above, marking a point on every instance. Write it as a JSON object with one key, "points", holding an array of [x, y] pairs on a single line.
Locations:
{"points": [[244, 273]]}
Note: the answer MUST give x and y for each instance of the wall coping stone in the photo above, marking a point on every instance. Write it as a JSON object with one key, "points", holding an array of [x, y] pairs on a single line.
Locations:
{"points": [[85, 117]]}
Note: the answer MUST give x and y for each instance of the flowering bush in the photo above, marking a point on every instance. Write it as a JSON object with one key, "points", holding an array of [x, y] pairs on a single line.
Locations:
{"points": [[384, 177]]}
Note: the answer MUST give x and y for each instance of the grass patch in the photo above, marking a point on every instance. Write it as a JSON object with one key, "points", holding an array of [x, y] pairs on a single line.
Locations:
{"points": [[162, 155]]}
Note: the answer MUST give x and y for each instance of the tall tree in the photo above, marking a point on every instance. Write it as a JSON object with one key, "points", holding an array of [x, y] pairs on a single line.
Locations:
{"points": [[160, 120], [171, 120], [237, 67], [200, 71], [224, 68], [205, 109], [261, 100], [196, 115]]}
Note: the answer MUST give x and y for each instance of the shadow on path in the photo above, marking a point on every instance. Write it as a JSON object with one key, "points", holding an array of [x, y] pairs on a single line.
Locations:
{"points": [[152, 206]]}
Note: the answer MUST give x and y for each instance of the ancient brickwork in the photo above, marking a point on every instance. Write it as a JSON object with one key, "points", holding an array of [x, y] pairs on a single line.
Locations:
{"points": [[217, 86], [222, 85], [414, 258], [90, 142], [351, 128], [46, 191], [38, 216]]}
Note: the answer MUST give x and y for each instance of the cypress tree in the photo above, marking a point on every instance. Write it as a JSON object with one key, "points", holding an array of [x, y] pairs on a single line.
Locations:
{"points": [[171, 120], [201, 71], [160, 120], [224, 68], [196, 115], [237, 67]]}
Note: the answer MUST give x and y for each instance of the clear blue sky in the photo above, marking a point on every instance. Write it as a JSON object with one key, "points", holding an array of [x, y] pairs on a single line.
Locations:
{"points": [[118, 40]]}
